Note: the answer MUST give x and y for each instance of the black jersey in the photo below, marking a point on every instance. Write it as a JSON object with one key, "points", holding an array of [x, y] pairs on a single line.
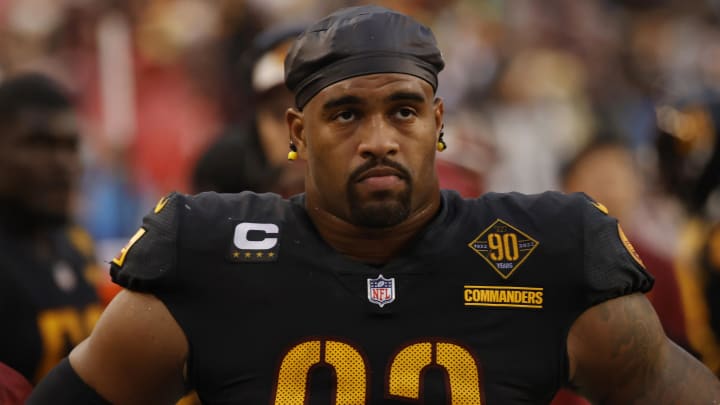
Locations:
{"points": [[49, 305], [476, 311]]}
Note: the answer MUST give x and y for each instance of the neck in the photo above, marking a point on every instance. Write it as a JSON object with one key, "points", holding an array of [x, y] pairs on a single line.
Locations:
{"points": [[370, 245]]}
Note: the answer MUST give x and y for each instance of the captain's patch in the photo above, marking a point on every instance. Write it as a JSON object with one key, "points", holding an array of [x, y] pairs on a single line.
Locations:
{"points": [[504, 247], [255, 242]]}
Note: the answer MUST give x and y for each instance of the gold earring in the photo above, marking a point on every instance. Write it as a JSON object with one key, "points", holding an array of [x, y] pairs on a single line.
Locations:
{"points": [[292, 155], [441, 145]]}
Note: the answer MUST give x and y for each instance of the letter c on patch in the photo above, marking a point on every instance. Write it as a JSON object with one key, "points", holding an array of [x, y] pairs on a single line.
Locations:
{"points": [[241, 231]]}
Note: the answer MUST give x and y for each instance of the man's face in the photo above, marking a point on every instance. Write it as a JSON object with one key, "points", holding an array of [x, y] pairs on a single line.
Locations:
{"points": [[370, 146], [609, 176], [39, 161]]}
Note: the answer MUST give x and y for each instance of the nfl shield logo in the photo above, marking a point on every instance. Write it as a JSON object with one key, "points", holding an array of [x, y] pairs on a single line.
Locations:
{"points": [[381, 290]]}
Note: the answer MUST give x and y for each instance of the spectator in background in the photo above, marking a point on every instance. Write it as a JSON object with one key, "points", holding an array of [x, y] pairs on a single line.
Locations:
{"points": [[251, 154], [605, 170], [232, 163], [48, 298], [688, 148], [709, 262]]}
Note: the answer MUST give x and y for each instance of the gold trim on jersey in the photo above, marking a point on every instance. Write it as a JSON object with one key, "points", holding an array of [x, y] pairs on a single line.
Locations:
{"points": [[601, 207], [120, 258], [630, 248], [161, 204]]}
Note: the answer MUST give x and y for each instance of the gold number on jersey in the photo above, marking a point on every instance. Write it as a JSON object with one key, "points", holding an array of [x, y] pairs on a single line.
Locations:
{"points": [[346, 362], [406, 371], [503, 247], [403, 379], [60, 328]]}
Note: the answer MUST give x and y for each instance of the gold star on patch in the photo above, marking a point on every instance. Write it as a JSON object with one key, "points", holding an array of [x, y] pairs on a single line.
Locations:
{"points": [[236, 254], [271, 254], [248, 255], [259, 254]]}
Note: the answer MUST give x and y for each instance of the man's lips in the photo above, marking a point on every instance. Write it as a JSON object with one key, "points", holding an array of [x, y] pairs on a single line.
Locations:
{"points": [[381, 178], [380, 172]]}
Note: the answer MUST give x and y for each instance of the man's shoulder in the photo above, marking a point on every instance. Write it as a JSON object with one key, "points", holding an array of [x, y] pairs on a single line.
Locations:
{"points": [[548, 203], [548, 199], [193, 222], [212, 206], [208, 218]]}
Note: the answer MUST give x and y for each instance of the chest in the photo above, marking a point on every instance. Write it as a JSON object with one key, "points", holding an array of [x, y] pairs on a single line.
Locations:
{"points": [[448, 329]]}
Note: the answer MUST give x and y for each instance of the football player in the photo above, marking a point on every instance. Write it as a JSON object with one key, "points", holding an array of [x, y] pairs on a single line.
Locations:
{"points": [[374, 286], [48, 272]]}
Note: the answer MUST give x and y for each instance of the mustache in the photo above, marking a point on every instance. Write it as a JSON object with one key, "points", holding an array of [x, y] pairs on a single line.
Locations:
{"points": [[403, 172]]}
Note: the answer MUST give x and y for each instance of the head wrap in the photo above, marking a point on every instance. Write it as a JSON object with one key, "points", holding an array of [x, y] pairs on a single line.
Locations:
{"points": [[359, 41]]}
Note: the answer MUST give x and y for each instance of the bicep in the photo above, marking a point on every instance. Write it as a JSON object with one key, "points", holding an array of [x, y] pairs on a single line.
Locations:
{"points": [[135, 354], [619, 354]]}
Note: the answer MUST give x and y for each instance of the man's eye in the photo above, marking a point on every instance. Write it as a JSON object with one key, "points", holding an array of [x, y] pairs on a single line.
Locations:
{"points": [[405, 113], [345, 116]]}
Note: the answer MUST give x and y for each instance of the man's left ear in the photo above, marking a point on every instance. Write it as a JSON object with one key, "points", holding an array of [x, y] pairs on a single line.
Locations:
{"points": [[439, 110], [441, 145], [296, 132]]}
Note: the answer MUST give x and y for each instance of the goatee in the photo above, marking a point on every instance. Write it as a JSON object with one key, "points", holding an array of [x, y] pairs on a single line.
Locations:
{"points": [[384, 208]]}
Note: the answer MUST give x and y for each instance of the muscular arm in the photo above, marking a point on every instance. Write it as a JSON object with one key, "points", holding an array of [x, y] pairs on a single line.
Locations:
{"points": [[619, 354], [136, 352]]}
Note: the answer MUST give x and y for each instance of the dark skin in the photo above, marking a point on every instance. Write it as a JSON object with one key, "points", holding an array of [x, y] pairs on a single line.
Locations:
{"points": [[617, 349], [39, 160], [619, 354], [352, 124], [39, 169]]}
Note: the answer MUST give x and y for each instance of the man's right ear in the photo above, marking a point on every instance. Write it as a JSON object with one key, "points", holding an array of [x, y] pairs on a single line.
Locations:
{"points": [[296, 131]]}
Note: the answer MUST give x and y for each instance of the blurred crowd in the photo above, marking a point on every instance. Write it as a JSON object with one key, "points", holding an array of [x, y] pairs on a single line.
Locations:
{"points": [[616, 98]]}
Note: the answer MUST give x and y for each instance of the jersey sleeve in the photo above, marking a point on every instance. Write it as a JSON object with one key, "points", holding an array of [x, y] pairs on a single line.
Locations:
{"points": [[611, 266], [148, 260]]}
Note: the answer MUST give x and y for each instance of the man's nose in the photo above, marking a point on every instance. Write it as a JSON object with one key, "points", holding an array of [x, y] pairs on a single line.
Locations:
{"points": [[378, 139]]}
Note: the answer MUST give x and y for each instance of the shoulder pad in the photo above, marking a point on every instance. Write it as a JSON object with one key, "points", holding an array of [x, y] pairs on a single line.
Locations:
{"points": [[550, 205], [149, 257]]}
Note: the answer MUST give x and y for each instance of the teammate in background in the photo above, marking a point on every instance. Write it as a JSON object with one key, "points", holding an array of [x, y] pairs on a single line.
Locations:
{"points": [[48, 300], [375, 286]]}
